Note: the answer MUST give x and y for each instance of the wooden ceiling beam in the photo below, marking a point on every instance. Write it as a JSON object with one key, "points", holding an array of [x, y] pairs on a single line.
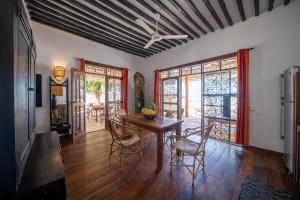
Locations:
{"points": [[116, 10], [58, 11], [92, 14], [51, 18], [225, 12], [180, 21], [82, 34], [146, 16], [271, 5], [122, 18], [213, 13], [286, 2], [166, 20], [186, 15], [256, 7], [199, 14], [45, 11], [241, 9]]}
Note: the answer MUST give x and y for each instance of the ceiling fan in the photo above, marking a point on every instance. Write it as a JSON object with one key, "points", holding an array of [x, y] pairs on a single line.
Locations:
{"points": [[155, 36]]}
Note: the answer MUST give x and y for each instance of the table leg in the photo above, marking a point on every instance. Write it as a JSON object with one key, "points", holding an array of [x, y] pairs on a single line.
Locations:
{"points": [[160, 152], [178, 135]]}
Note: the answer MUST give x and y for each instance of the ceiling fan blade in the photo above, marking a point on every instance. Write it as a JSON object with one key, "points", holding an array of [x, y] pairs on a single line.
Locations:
{"points": [[149, 44], [174, 36], [145, 26]]}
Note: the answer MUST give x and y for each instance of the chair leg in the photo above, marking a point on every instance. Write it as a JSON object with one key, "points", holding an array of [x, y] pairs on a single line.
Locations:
{"points": [[140, 149], [111, 148], [193, 171], [121, 156]]}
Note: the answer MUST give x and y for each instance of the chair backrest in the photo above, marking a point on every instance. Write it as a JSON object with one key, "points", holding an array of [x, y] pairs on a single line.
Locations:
{"points": [[170, 114], [205, 132], [113, 129], [122, 112]]}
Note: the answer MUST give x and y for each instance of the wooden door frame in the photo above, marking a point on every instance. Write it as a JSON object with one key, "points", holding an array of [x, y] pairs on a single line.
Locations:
{"points": [[179, 95], [75, 138], [106, 96]]}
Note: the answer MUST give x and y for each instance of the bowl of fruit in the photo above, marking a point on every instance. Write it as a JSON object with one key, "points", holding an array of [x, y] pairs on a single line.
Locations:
{"points": [[149, 112]]}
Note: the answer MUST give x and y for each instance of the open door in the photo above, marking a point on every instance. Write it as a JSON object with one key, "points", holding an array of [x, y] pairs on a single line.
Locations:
{"points": [[113, 96], [171, 97], [78, 104]]}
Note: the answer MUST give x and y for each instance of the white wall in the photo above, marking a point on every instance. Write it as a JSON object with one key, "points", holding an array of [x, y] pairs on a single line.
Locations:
{"points": [[55, 47], [275, 37]]}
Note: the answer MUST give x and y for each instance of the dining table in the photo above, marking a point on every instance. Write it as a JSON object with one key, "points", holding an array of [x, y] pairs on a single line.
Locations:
{"points": [[159, 126]]}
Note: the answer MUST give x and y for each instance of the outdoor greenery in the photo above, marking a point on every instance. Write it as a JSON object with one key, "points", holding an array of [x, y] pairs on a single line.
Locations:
{"points": [[94, 87]]}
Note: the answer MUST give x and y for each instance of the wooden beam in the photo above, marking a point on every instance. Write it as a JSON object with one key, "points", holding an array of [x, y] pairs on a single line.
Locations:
{"points": [[57, 11], [183, 31], [185, 14], [81, 34], [271, 5], [146, 16], [256, 7], [226, 13], [82, 30], [100, 18], [116, 9], [66, 19], [286, 2], [180, 21], [124, 19], [199, 14], [241, 9], [213, 13]]}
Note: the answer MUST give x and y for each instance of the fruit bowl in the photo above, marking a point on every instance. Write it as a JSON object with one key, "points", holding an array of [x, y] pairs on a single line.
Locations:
{"points": [[149, 117]]}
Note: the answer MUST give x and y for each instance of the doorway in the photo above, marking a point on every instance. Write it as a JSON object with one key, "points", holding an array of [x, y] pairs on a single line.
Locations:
{"points": [[202, 93], [95, 102]]}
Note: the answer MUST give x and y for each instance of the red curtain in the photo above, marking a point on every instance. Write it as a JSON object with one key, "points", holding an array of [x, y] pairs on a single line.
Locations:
{"points": [[82, 65], [125, 88], [156, 98], [242, 129]]}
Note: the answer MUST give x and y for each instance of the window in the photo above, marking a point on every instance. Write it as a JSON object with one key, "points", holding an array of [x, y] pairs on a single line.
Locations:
{"points": [[208, 87]]}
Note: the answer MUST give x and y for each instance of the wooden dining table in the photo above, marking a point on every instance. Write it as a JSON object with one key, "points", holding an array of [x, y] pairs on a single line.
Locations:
{"points": [[159, 126]]}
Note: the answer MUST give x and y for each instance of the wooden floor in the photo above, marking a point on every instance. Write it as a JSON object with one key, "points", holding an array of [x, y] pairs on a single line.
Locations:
{"points": [[90, 175]]}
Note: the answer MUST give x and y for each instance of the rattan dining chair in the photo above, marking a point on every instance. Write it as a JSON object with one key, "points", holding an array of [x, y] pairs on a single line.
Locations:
{"points": [[190, 148], [169, 114], [125, 139]]}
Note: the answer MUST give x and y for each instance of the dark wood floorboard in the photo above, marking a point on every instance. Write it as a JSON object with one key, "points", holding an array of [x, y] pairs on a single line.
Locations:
{"points": [[90, 174]]}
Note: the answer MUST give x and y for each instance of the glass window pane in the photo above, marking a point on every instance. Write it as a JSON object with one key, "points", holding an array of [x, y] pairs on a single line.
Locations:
{"points": [[186, 70], [174, 72], [164, 74], [217, 83], [229, 63], [114, 72], [94, 69], [196, 69], [211, 66]]}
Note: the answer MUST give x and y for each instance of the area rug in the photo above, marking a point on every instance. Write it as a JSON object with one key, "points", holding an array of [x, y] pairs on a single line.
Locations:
{"points": [[252, 189]]}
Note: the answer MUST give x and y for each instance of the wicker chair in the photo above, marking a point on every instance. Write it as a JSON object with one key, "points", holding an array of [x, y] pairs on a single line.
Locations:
{"points": [[190, 148], [169, 114], [124, 138]]}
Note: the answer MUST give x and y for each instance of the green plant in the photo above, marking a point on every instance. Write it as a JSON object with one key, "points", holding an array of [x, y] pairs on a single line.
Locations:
{"points": [[95, 87]]}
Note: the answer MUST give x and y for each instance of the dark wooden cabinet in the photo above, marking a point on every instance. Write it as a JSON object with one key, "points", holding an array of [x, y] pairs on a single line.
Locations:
{"points": [[17, 96]]}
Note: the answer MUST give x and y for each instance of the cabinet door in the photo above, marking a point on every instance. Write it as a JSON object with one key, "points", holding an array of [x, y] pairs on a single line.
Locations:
{"points": [[31, 97], [21, 97]]}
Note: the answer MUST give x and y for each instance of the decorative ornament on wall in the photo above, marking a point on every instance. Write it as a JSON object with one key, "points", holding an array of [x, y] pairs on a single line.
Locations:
{"points": [[59, 73], [139, 85]]}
